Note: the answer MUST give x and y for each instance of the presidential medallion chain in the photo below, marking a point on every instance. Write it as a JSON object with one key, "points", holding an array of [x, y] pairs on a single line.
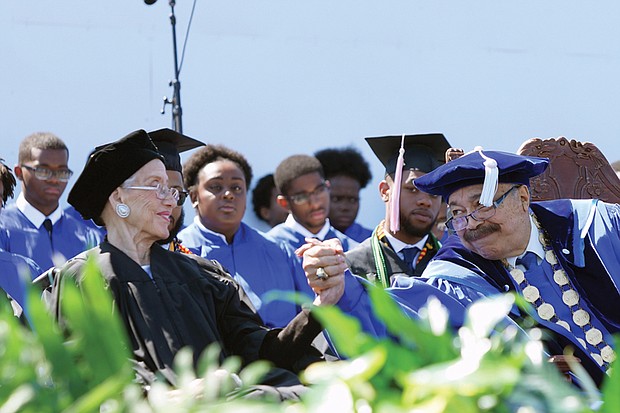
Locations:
{"points": [[570, 297]]}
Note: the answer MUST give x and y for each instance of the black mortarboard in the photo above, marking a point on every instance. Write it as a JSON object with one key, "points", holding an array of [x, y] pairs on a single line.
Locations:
{"points": [[422, 152], [107, 167], [482, 167], [170, 144]]}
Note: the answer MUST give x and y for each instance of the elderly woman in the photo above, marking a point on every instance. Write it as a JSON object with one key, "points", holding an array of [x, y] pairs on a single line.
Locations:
{"points": [[169, 300]]}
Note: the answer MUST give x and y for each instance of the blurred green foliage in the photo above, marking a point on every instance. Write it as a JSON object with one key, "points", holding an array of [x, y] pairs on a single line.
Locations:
{"points": [[423, 367]]}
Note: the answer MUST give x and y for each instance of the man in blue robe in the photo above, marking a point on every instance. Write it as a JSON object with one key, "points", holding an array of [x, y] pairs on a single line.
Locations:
{"points": [[217, 179], [36, 226], [561, 256], [304, 192]]}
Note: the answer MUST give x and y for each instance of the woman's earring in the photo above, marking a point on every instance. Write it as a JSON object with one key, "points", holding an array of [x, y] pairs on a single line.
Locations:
{"points": [[195, 204], [122, 210]]}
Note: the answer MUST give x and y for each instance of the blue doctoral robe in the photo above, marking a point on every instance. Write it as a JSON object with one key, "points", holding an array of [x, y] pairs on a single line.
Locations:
{"points": [[15, 272], [70, 237], [283, 232], [411, 294], [585, 236], [357, 232], [261, 262]]}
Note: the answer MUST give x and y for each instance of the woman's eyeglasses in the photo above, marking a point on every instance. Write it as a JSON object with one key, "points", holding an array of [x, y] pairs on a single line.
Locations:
{"points": [[161, 192]]}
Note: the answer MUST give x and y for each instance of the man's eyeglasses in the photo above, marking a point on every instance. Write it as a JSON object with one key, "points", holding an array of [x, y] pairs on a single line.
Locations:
{"points": [[161, 192], [483, 213], [303, 198], [182, 197], [45, 174]]}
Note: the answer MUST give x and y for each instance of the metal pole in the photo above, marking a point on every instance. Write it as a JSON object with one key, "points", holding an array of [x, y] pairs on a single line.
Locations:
{"points": [[177, 112]]}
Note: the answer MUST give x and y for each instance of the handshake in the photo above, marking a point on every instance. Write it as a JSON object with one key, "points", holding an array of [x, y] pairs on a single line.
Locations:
{"points": [[324, 265]]}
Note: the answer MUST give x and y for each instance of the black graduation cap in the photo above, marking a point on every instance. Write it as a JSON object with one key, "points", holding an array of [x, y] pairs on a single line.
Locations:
{"points": [[422, 152], [107, 167], [170, 144]]}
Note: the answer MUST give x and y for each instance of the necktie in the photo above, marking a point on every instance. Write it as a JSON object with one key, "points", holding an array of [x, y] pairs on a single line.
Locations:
{"points": [[528, 261], [48, 226], [410, 253]]}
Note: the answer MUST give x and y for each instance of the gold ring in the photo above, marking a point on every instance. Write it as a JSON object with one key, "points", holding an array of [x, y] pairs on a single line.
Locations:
{"points": [[321, 274]]}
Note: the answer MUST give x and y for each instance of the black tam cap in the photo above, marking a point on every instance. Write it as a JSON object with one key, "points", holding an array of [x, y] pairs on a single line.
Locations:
{"points": [[107, 167], [170, 144], [422, 152]]}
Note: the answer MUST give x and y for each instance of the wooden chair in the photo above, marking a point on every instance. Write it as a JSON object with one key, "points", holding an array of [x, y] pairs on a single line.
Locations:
{"points": [[576, 170]]}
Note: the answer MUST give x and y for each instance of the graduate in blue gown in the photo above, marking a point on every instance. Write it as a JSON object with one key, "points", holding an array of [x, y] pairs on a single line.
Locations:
{"points": [[23, 232], [348, 173], [36, 226], [304, 192], [561, 255], [217, 179]]}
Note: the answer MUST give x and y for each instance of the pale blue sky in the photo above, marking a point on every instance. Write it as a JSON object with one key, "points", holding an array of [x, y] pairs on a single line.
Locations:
{"points": [[274, 78]]}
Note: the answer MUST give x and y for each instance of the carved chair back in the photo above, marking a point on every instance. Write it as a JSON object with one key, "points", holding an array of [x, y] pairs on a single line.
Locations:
{"points": [[576, 170]]}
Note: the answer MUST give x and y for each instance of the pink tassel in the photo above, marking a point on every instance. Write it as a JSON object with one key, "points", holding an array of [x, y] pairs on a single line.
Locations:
{"points": [[398, 176]]}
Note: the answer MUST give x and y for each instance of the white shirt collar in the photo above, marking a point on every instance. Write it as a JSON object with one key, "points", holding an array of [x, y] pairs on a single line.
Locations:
{"points": [[34, 215], [296, 226], [207, 230], [533, 245], [398, 245]]}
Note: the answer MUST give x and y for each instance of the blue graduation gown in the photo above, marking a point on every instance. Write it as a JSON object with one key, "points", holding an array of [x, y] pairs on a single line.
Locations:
{"points": [[70, 237], [261, 261], [411, 294], [357, 232], [585, 236], [15, 271], [282, 232], [70, 210]]}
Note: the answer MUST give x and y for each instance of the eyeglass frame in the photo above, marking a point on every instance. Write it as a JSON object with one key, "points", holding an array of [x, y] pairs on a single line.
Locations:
{"points": [[162, 191], [49, 173], [492, 209], [304, 197], [183, 194]]}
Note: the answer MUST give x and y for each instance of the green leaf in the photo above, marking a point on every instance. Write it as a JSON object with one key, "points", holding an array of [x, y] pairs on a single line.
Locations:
{"points": [[345, 331]]}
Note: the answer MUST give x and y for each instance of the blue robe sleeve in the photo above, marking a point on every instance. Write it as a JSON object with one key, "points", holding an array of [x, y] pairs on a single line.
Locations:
{"points": [[411, 294]]}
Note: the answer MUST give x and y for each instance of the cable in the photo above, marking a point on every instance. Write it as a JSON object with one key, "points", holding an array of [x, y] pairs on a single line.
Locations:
{"points": [[189, 24]]}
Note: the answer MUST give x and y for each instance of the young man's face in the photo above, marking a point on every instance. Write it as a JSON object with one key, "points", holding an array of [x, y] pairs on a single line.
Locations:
{"points": [[43, 194], [418, 210], [274, 214], [175, 180], [344, 201], [307, 199]]}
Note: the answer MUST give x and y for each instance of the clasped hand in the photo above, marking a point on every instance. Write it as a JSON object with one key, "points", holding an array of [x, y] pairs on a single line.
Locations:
{"points": [[328, 256]]}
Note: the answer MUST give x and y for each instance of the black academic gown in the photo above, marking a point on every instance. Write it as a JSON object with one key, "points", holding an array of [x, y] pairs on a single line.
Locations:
{"points": [[190, 302]]}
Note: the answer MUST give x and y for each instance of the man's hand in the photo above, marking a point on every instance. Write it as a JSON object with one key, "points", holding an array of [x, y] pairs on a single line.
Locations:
{"points": [[329, 257]]}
